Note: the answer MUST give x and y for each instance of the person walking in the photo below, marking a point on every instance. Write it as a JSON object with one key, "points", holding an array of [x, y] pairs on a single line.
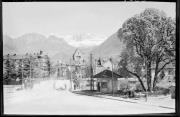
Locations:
{"points": [[98, 86]]}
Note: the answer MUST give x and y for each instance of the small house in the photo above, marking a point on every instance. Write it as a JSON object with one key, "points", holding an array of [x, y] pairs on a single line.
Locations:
{"points": [[106, 81]]}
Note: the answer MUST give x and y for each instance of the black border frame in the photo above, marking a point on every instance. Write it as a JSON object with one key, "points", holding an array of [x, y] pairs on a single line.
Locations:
{"points": [[177, 56]]}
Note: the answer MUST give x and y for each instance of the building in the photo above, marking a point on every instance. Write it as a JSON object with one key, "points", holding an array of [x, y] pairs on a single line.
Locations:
{"points": [[22, 66], [168, 71], [79, 63], [103, 64], [78, 58], [62, 71], [107, 81]]}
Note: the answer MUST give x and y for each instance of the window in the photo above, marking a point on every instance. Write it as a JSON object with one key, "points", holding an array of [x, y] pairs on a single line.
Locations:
{"points": [[170, 72], [104, 84]]}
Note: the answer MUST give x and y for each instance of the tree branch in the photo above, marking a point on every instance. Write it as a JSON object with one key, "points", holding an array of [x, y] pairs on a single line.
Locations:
{"points": [[141, 82], [165, 65]]}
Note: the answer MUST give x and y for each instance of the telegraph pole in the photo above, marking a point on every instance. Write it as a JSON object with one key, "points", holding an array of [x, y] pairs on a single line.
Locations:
{"points": [[8, 66], [112, 78], [91, 70], [112, 81], [30, 71], [70, 75], [30, 66], [22, 72]]}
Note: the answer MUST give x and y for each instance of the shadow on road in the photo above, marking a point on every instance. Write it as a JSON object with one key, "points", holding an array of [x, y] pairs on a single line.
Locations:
{"points": [[99, 94], [115, 97]]}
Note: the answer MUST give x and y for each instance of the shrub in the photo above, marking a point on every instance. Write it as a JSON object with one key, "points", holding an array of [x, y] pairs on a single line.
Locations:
{"points": [[161, 91], [138, 87], [172, 91], [131, 94], [123, 85], [173, 95]]}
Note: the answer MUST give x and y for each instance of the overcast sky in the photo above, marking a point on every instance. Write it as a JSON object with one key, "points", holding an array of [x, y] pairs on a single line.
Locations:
{"points": [[67, 18]]}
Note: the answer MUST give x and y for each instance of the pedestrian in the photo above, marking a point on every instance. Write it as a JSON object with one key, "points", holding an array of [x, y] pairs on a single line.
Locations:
{"points": [[65, 86], [98, 87], [25, 83], [74, 87]]}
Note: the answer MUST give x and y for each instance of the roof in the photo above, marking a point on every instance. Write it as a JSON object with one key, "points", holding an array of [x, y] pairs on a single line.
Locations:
{"points": [[13, 56], [18, 56], [106, 60], [76, 52], [107, 74]]}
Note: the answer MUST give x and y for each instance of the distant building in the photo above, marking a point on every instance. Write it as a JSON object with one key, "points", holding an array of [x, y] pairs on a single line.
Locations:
{"points": [[79, 63], [169, 71], [36, 61], [105, 64], [78, 58]]}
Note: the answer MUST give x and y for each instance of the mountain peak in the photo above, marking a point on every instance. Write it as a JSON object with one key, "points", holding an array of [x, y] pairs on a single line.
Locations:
{"points": [[84, 39], [53, 37]]}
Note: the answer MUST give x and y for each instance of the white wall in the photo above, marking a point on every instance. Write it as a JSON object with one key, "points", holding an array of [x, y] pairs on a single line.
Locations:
{"points": [[62, 84], [109, 85]]}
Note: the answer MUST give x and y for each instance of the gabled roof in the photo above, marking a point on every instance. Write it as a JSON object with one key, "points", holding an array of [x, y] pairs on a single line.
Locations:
{"points": [[76, 52], [107, 74]]}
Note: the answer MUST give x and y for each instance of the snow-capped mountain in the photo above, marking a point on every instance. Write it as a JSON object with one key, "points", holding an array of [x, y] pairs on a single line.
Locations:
{"points": [[62, 48], [84, 40]]}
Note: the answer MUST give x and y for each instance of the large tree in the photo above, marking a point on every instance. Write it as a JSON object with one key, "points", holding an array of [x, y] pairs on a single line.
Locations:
{"points": [[151, 36]]}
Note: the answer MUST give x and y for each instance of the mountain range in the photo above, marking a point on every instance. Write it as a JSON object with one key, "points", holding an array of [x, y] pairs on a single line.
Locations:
{"points": [[59, 48], [84, 39]]}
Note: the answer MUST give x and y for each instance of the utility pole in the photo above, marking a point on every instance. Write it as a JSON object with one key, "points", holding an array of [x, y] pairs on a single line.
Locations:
{"points": [[49, 68], [112, 78], [91, 70], [30, 67], [30, 70], [22, 72], [70, 75], [8, 66]]}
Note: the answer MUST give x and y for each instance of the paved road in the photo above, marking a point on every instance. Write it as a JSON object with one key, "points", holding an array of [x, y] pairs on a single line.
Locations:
{"points": [[53, 102]]}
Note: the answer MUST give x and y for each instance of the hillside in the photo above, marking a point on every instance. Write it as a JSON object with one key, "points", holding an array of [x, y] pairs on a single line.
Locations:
{"points": [[9, 45], [55, 47], [112, 47], [59, 49]]}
